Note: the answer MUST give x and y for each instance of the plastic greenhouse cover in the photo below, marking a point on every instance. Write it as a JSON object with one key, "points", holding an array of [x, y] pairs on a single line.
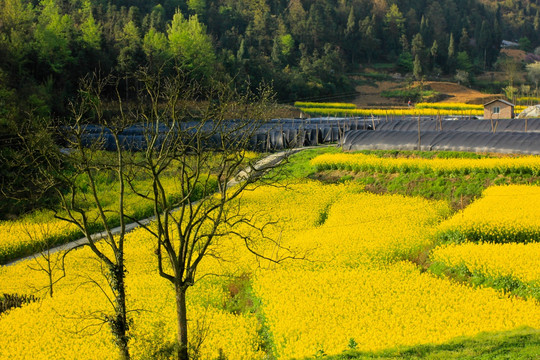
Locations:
{"points": [[499, 142], [433, 124], [276, 134]]}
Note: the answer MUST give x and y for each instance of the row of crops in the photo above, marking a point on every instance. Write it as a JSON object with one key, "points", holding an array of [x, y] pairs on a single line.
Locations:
{"points": [[419, 109], [356, 286]]}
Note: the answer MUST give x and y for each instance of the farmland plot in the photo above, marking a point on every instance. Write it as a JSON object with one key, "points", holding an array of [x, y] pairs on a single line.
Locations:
{"points": [[354, 286]]}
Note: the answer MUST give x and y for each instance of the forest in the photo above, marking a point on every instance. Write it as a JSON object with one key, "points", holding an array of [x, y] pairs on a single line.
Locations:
{"points": [[304, 48]]}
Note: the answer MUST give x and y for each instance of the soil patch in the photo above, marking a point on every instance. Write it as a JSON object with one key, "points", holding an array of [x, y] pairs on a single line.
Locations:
{"points": [[370, 95]]}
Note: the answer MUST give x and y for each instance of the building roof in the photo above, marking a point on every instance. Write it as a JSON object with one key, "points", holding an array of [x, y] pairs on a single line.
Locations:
{"points": [[507, 44], [500, 100]]}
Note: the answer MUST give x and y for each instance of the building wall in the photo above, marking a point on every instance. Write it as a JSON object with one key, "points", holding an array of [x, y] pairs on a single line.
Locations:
{"points": [[506, 112]]}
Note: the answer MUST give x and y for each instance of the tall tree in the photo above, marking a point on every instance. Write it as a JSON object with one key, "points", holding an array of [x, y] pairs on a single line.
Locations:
{"points": [[485, 42], [71, 173], [450, 61], [417, 68], [369, 41], [351, 36], [205, 156], [16, 37], [190, 46], [394, 28], [464, 41], [417, 45], [53, 35], [90, 29]]}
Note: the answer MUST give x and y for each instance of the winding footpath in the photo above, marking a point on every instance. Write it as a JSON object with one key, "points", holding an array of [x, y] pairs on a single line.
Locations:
{"points": [[260, 167]]}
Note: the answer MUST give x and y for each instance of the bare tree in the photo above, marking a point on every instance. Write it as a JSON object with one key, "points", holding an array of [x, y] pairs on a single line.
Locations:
{"points": [[205, 151], [533, 73], [188, 134], [52, 264], [82, 202]]}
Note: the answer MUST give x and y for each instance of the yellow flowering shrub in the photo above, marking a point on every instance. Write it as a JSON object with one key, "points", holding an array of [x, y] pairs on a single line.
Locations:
{"points": [[421, 109], [503, 214], [516, 260], [324, 105], [449, 106]]}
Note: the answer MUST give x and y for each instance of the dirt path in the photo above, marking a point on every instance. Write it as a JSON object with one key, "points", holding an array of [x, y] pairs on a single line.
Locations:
{"points": [[267, 162]]}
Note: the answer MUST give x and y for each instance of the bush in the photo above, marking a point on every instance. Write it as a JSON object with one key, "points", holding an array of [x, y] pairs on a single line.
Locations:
{"points": [[10, 301]]}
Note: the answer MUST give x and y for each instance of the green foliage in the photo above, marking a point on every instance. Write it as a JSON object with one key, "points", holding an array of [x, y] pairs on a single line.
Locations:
{"points": [[90, 29], [525, 44], [306, 51], [373, 75], [519, 344], [156, 46], [10, 301], [405, 62], [301, 104], [52, 35], [414, 94], [287, 44], [505, 284], [463, 62], [298, 165], [191, 46]]}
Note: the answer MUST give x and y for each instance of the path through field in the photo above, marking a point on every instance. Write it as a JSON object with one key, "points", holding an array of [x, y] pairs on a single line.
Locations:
{"points": [[261, 166]]}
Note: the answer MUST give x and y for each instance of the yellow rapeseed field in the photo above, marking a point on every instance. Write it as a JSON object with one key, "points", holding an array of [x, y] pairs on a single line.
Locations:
{"points": [[21, 234], [517, 260], [503, 214], [362, 162], [352, 282], [420, 109], [390, 112]]}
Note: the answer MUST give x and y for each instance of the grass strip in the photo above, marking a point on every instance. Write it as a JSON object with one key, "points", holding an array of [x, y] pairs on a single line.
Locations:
{"points": [[506, 284], [519, 344], [319, 105]]}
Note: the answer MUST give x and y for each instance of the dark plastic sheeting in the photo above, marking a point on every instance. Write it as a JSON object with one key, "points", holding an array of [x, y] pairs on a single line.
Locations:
{"points": [[432, 124], [274, 135], [507, 142]]}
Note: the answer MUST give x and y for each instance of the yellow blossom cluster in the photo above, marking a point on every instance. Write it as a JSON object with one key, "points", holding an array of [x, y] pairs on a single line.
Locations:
{"points": [[362, 162], [513, 216], [349, 280], [517, 260], [16, 236], [324, 105], [448, 106]]}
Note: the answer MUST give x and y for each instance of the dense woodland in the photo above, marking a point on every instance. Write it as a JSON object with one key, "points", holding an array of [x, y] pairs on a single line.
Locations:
{"points": [[304, 47]]}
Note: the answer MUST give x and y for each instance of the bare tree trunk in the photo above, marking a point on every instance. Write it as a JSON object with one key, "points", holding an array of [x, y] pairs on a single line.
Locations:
{"points": [[181, 313], [120, 324]]}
